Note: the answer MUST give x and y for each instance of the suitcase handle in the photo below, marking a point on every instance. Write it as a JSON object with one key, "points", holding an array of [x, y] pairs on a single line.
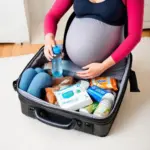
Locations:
{"points": [[68, 126], [15, 85]]}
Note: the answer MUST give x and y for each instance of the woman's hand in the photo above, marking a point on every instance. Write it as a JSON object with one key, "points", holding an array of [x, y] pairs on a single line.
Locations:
{"points": [[49, 44], [96, 69], [92, 70]]}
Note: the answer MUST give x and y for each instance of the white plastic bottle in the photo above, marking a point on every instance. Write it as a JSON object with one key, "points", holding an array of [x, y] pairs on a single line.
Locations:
{"points": [[105, 106]]}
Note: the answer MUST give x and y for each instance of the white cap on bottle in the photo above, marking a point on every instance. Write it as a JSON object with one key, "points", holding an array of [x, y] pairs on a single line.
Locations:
{"points": [[84, 84], [109, 96]]}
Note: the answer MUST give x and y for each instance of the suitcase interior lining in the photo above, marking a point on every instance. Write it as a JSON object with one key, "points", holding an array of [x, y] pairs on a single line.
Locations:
{"points": [[40, 60]]}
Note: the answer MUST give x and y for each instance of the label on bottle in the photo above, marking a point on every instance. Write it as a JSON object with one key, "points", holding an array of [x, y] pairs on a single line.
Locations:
{"points": [[89, 109]]}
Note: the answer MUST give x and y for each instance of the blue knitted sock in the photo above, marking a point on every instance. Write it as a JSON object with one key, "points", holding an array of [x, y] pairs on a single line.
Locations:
{"points": [[26, 78], [40, 81], [38, 70]]}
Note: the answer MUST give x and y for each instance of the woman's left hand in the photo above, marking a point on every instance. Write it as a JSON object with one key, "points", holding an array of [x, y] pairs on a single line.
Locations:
{"points": [[92, 70]]}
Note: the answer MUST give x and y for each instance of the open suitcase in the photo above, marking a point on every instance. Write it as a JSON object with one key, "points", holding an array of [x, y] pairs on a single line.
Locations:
{"points": [[65, 119]]}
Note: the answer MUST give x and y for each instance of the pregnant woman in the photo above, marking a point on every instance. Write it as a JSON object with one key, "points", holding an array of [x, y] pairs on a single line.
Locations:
{"points": [[94, 40]]}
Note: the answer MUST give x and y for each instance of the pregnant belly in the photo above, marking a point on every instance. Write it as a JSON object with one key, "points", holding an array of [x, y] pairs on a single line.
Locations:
{"points": [[89, 40]]}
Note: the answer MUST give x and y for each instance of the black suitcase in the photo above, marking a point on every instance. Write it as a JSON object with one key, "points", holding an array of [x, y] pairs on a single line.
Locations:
{"points": [[55, 116]]}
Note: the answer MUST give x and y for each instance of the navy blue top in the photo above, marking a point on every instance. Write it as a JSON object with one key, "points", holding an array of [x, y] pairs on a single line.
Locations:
{"points": [[112, 12]]}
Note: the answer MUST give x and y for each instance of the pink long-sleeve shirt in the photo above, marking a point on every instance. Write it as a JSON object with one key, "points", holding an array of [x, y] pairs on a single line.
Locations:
{"points": [[135, 10]]}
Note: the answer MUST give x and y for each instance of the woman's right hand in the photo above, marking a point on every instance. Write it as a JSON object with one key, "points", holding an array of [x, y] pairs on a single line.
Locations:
{"points": [[49, 44]]}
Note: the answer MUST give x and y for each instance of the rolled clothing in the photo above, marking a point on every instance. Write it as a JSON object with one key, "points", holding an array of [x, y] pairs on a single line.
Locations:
{"points": [[89, 40]]}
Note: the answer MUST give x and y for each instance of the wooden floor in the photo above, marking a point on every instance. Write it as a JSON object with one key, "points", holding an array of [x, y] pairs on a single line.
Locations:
{"points": [[7, 50]]}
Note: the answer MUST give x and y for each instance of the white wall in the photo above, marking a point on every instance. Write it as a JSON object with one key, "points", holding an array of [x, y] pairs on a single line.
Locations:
{"points": [[26, 6], [13, 22], [38, 10]]}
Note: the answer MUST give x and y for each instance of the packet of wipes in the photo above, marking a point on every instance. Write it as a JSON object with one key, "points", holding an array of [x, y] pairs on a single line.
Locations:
{"points": [[74, 97]]}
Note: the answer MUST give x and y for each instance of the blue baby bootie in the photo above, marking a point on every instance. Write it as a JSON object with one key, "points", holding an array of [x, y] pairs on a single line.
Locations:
{"points": [[40, 81], [27, 78], [38, 70]]}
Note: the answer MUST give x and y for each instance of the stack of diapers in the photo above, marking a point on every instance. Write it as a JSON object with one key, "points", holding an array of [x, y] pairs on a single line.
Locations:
{"points": [[33, 81]]}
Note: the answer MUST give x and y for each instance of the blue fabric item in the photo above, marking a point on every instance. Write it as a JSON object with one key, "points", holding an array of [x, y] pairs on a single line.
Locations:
{"points": [[40, 81], [26, 78], [38, 70], [112, 12]]}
